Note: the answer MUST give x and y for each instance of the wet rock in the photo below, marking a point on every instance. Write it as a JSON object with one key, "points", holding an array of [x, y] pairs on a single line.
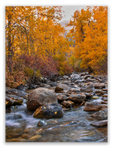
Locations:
{"points": [[89, 88], [105, 95], [99, 85], [17, 102], [32, 86], [39, 97], [8, 102], [100, 115], [90, 80], [67, 104], [77, 89], [62, 97], [94, 106], [49, 111], [88, 95], [52, 84], [88, 76], [35, 137], [77, 97], [94, 97], [80, 81], [84, 73], [60, 87], [100, 123], [99, 92], [74, 77], [65, 77], [42, 123], [105, 98]]}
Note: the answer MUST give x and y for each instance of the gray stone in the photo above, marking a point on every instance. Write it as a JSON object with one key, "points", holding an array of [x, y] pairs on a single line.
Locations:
{"points": [[60, 87], [74, 77], [100, 115], [77, 97], [100, 123], [39, 97], [94, 106], [89, 88]]}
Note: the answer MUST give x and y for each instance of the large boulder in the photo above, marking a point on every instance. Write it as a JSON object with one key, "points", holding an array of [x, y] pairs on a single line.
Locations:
{"points": [[94, 106], [77, 98], [60, 87], [49, 111], [39, 97]]}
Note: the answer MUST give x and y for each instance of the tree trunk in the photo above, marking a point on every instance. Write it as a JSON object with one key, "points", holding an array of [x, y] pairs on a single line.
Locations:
{"points": [[9, 44]]}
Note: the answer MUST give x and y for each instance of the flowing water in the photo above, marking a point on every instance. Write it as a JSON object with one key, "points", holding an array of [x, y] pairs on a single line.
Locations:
{"points": [[74, 126]]}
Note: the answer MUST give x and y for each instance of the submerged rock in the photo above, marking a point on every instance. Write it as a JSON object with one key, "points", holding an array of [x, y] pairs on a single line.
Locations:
{"points": [[49, 111], [39, 97], [42, 123]]}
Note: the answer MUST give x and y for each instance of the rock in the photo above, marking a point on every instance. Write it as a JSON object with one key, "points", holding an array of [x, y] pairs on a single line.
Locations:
{"points": [[105, 95], [8, 102], [65, 77], [62, 97], [88, 76], [74, 77], [100, 115], [49, 111], [80, 81], [99, 85], [94, 106], [89, 88], [17, 102], [67, 104], [52, 84], [99, 92], [94, 97], [77, 97], [88, 95], [84, 73], [77, 89], [42, 123], [21, 87], [35, 137], [39, 97], [32, 86], [90, 80], [60, 87], [105, 98], [100, 123]]}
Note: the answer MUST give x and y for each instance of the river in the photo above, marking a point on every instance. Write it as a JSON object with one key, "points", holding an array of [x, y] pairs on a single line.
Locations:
{"points": [[74, 126]]}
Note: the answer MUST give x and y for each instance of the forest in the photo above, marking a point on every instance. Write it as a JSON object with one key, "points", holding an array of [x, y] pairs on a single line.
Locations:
{"points": [[36, 45]]}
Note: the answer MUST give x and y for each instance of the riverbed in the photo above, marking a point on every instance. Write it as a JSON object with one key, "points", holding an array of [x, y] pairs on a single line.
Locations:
{"points": [[74, 126]]}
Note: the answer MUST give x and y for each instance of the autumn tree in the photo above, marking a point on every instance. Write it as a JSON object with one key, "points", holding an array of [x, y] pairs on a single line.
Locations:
{"points": [[90, 34], [33, 33]]}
